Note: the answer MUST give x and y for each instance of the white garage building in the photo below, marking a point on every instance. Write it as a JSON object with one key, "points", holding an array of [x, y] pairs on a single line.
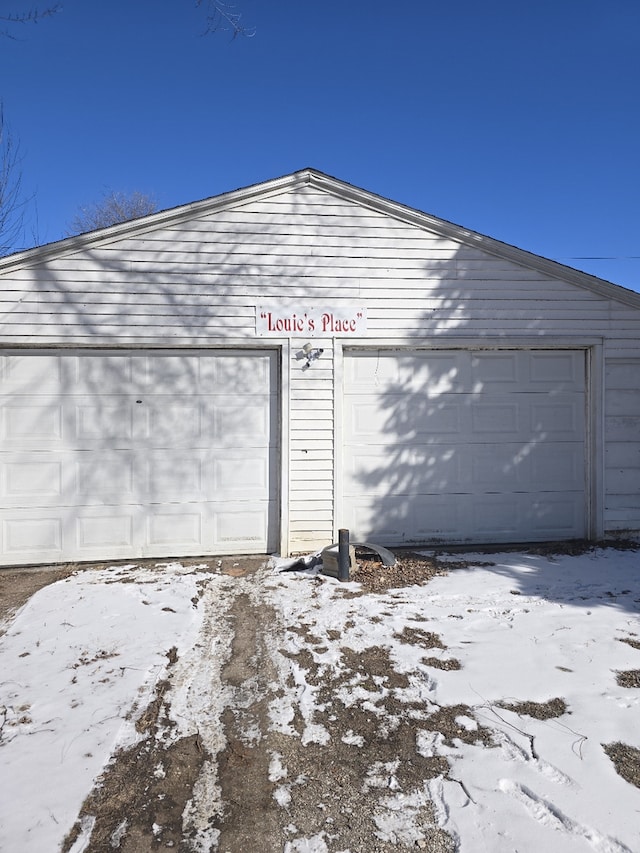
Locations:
{"points": [[251, 372]]}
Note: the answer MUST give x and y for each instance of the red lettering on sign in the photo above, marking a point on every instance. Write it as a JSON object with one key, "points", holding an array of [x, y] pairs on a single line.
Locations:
{"points": [[335, 324]]}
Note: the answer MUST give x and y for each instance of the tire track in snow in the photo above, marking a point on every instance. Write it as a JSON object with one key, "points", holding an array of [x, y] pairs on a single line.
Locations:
{"points": [[550, 816], [514, 752]]}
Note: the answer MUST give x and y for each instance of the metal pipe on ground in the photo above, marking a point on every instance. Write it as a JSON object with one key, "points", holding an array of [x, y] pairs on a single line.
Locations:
{"points": [[343, 554]]}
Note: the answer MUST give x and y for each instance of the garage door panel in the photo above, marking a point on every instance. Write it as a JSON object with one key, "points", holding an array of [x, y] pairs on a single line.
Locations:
{"points": [[436, 517], [99, 477], [518, 467], [242, 477], [248, 377], [176, 528], [495, 517], [21, 373], [473, 468], [560, 420], [466, 372], [389, 519], [26, 534], [237, 523], [137, 454], [554, 516], [497, 418], [496, 370], [557, 467], [172, 476], [112, 529], [402, 417], [527, 370], [558, 371], [101, 423], [412, 470], [112, 375], [397, 415], [407, 522], [21, 424], [496, 467], [179, 374], [30, 478], [170, 423], [440, 373], [248, 424]]}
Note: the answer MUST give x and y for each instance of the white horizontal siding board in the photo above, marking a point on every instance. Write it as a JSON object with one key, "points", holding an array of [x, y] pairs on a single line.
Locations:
{"points": [[199, 289], [216, 246], [212, 282], [623, 401], [485, 310], [625, 347], [312, 448], [243, 227], [622, 373], [301, 477], [219, 239], [172, 324], [623, 480], [256, 260], [314, 394], [316, 414], [622, 346], [622, 456], [234, 295], [310, 507], [310, 218], [240, 312]]}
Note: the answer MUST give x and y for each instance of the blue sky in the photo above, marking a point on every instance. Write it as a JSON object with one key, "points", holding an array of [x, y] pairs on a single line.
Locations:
{"points": [[518, 120]]}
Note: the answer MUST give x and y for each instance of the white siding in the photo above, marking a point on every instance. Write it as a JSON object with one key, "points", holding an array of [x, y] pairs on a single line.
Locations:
{"points": [[312, 436], [622, 453], [201, 279], [196, 283]]}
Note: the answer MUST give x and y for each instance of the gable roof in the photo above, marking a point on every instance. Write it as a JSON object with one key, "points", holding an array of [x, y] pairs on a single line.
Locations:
{"points": [[341, 189]]}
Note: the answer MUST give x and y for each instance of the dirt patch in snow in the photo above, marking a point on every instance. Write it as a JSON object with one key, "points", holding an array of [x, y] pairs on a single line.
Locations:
{"points": [[539, 710], [626, 760], [138, 803], [410, 568], [628, 678], [18, 585], [446, 664], [635, 644], [418, 637], [354, 776]]}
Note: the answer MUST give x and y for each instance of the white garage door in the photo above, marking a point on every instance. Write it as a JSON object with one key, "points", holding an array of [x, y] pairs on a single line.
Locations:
{"points": [[137, 454], [456, 446]]}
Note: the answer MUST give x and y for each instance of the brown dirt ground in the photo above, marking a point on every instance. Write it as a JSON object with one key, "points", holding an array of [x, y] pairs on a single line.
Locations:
{"points": [[18, 585]]}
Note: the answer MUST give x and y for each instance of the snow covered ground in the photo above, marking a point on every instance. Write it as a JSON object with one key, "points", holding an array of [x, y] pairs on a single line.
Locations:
{"points": [[80, 661]]}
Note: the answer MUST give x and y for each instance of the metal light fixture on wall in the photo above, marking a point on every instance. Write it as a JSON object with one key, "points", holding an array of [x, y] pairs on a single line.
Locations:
{"points": [[309, 353]]}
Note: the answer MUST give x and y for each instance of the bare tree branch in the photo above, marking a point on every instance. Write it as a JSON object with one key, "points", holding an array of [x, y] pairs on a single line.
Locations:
{"points": [[114, 207], [33, 16], [12, 200], [223, 16], [220, 16]]}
